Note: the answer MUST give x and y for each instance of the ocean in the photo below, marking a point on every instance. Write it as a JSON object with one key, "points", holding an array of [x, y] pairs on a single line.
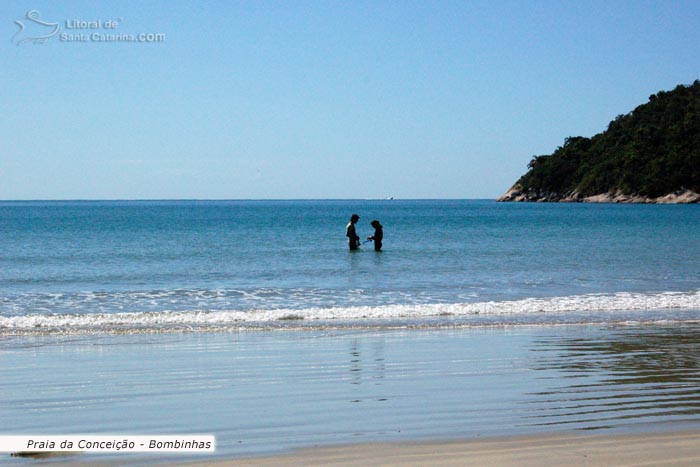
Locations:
{"points": [[253, 322], [162, 266]]}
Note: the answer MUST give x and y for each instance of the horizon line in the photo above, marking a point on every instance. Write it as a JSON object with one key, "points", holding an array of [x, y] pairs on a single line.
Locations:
{"points": [[34, 200]]}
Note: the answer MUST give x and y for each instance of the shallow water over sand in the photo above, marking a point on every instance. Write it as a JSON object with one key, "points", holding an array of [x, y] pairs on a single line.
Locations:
{"points": [[261, 392], [171, 266]]}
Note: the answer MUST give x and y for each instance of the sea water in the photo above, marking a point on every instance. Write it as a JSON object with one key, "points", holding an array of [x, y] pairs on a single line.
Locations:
{"points": [[252, 321], [163, 266]]}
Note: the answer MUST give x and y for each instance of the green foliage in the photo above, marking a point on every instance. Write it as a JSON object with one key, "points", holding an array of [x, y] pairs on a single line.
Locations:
{"points": [[651, 151]]}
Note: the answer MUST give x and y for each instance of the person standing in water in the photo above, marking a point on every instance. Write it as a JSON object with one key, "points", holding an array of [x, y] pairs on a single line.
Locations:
{"points": [[353, 239], [378, 235]]}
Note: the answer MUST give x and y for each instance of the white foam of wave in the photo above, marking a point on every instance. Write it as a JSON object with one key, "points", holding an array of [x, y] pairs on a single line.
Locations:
{"points": [[576, 303]]}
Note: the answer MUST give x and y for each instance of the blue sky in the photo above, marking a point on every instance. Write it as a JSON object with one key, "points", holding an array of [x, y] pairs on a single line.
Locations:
{"points": [[321, 99]]}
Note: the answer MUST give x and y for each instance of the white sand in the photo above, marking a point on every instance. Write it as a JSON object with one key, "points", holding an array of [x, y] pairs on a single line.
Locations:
{"points": [[665, 449]]}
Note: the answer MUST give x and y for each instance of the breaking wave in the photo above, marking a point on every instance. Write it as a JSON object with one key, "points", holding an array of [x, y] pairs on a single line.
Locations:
{"points": [[575, 309]]}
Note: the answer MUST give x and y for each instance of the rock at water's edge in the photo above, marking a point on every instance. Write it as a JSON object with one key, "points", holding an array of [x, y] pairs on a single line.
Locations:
{"points": [[516, 194]]}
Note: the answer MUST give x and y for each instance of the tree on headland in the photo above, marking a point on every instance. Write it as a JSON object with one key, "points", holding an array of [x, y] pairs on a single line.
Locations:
{"points": [[648, 153]]}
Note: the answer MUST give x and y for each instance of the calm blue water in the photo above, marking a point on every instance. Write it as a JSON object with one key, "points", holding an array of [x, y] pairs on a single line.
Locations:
{"points": [[94, 297], [167, 265]]}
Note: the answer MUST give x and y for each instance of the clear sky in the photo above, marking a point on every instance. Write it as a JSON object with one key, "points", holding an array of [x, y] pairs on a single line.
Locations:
{"points": [[319, 99]]}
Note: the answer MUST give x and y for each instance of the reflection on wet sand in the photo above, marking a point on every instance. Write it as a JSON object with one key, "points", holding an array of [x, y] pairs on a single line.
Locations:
{"points": [[367, 369], [621, 377]]}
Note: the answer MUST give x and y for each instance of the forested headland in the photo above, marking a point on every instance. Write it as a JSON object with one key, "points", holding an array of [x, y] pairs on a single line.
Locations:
{"points": [[651, 154]]}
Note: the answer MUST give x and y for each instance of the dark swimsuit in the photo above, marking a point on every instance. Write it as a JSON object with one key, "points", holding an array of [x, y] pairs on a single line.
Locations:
{"points": [[378, 235]]}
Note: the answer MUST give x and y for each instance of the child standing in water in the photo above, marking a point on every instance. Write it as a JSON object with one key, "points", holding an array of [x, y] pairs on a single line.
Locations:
{"points": [[378, 235]]}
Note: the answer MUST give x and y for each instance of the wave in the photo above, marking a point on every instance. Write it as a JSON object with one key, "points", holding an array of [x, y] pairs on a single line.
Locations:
{"points": [[592, 308]]}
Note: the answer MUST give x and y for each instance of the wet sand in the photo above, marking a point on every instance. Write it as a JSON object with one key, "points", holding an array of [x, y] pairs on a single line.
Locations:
{"points": [[377, 397]]}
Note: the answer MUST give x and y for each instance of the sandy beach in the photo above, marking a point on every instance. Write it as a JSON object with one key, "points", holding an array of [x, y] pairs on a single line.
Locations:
{"points": [[572, 395], [675, 448], [659, 449]]}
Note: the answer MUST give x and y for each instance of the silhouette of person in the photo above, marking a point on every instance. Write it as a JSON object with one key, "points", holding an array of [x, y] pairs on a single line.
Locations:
{"points": [[378, 235], [353, 239]]}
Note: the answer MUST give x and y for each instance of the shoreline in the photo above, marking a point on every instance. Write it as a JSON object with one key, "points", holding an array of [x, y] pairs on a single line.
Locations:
{"points": [[677, 448], [363, 397], [517, 194]]}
